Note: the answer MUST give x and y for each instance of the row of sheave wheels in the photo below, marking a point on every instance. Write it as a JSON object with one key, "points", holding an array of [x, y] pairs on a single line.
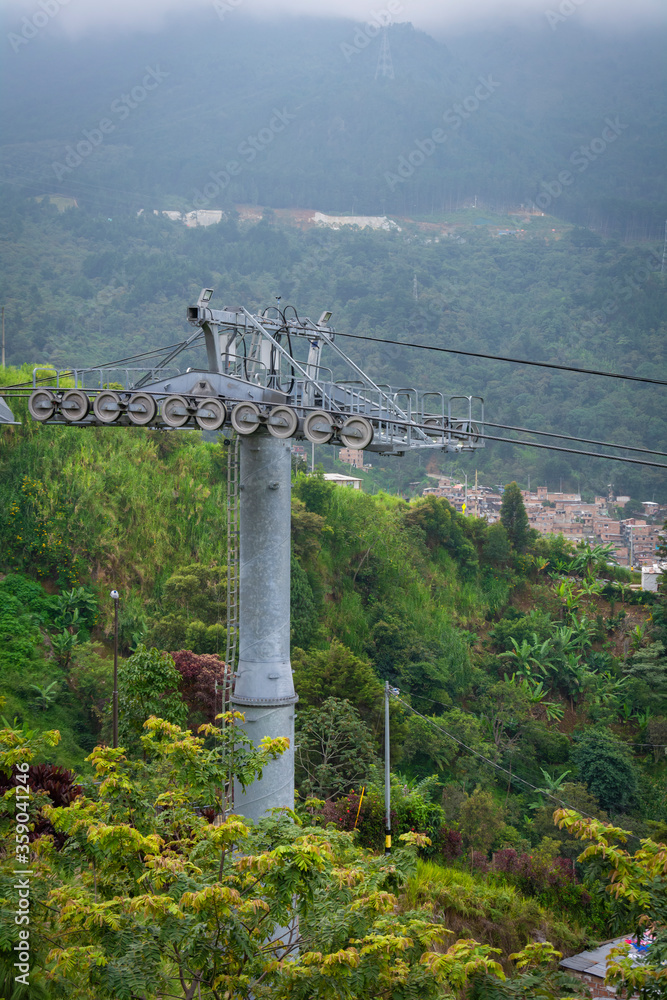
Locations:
{"points": [[318, 426], [140, 408], [209, 414]]}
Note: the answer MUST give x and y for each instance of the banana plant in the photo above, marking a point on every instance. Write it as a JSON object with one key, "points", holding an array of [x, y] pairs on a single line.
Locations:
{"points": [[529, 655], [643, 717], [554, 784], [591, 557], [583, 629], [45, 695], [63, 646], [637, 638]]}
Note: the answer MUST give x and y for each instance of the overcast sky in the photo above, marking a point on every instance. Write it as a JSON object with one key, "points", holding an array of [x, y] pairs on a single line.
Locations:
{"points": [[79, 16]]}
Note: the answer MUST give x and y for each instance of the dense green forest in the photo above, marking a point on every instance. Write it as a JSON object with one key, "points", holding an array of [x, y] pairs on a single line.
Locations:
{"points": [[546, 94], [530, 676], [82, 289], [525, 677]]}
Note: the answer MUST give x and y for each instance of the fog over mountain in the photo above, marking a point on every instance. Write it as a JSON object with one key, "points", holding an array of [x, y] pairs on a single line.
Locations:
{"points": [[78, 18]]}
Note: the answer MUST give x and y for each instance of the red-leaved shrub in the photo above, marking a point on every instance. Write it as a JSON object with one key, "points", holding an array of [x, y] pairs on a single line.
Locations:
{"points": [[202, 673]]}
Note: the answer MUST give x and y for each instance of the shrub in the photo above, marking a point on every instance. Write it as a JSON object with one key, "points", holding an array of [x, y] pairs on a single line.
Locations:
{"points": [[55, 783], [371, 822], [552, 881], [451, 843], [203, 680]]}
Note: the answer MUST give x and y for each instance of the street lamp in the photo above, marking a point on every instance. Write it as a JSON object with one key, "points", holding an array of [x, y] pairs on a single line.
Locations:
{"points": [[114, 597]]}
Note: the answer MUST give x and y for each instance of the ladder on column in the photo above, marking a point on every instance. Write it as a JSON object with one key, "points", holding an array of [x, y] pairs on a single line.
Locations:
{"points": [[233, 556]]}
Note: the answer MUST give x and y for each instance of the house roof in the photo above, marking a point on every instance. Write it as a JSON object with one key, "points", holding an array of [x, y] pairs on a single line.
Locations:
{"points": [[594, 963]]}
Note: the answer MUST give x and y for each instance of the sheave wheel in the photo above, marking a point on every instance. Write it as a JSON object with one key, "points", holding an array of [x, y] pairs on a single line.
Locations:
{"points": [[211, 414], [175, 411], [245, 418], [318, 427], [74, 405], [42, 404], [356, 432]]}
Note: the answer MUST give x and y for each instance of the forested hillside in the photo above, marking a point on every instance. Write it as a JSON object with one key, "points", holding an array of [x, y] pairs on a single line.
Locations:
{"points": [[515, 106], [82, 289], [528, 675], [520, 170]]}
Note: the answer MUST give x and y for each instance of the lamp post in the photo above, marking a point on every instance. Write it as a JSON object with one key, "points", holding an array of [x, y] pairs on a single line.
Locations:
{"points": [[387, 774], [114, 598]]}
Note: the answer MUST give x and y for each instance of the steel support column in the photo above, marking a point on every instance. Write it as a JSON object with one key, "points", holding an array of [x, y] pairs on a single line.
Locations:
{"points": [[264, 689]]}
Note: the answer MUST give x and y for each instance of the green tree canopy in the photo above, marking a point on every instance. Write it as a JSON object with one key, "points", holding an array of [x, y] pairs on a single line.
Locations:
{"points": [[148, 684], [606, 766], [335, 750], [336, 672], [514, 518]]}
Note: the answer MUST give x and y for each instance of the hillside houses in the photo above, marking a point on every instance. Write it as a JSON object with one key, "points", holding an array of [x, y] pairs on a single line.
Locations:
{"points": [[634, 540]]}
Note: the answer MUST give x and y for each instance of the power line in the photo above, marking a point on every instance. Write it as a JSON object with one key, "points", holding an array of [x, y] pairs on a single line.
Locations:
{"points": [[107, 364], [499, 767], [574, 451], [568, 437], [513, 361]]}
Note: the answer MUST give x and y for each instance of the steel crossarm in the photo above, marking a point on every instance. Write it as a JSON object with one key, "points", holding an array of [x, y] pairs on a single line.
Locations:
{"points": [[392, 408]]}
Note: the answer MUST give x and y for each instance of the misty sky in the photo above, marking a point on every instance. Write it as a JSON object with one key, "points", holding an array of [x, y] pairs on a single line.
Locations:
{"points": [[76, 17]]}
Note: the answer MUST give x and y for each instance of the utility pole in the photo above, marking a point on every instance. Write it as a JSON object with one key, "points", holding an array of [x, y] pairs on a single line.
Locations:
{"points": [[114, 598], [3, 337], [387, 771]]}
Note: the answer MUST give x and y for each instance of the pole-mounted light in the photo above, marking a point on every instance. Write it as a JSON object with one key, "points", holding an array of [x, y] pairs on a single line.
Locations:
{"points": [[115, 597]]}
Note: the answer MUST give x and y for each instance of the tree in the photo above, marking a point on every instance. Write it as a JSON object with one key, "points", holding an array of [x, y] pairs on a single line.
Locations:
{"points": [[148, 684], [496, 547], [203, 679], [638, 884], [314, 491], [303, 609], [335, 672], [514, 518], [335, 749], [194, 608], [306, 530], [481, 819], [425, 749], [605, 765], [149, 899]]}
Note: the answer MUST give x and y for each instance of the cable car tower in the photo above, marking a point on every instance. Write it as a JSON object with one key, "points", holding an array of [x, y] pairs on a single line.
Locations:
{"points": [[265, 381]]}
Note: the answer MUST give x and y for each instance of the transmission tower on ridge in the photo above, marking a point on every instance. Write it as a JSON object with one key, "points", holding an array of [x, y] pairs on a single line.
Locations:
{"points": [[385, 66]]}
